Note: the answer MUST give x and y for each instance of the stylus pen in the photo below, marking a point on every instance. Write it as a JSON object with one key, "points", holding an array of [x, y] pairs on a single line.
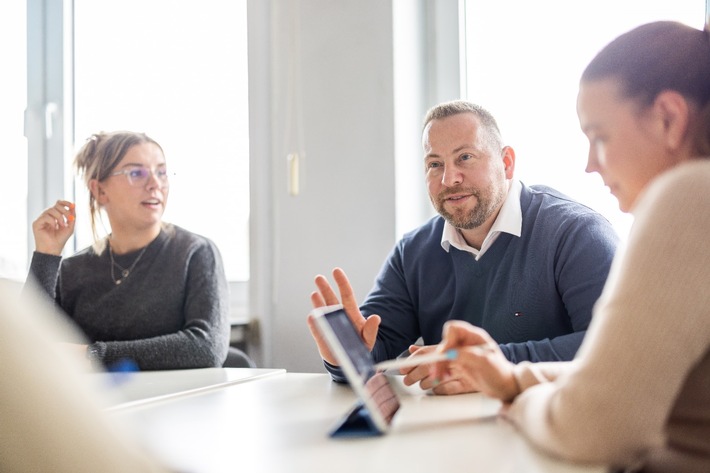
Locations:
{"points": [[415, 360]]}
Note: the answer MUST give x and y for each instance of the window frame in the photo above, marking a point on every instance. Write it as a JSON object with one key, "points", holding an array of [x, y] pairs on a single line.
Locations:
{"points": [[49, 123]]}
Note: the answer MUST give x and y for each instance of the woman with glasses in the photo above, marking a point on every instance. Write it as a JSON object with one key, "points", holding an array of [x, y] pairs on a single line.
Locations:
{"points": [[149, 293], [637, 394]]}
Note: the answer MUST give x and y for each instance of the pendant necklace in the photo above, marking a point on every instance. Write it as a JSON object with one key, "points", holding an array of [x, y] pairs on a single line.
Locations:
{"points": [[124, 271]]}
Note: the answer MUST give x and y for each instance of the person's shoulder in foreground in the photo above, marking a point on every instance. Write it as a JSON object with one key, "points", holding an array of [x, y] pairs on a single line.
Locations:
{"points": [[637, 394], [52, 418], [641, 308]]}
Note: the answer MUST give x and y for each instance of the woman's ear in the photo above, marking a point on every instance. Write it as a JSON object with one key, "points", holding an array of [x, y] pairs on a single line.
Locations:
{"points": [[97, 191], [674, 112]]}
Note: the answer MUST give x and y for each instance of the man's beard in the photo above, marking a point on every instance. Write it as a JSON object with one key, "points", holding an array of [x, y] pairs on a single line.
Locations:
{"points": [[485, 207]]}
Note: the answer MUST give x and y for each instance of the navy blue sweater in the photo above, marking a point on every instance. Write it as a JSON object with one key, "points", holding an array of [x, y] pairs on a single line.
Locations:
{"points": [[534, 293]]}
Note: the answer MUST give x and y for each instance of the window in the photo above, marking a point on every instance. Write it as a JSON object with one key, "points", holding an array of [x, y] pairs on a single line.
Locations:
{"points": [[13, 178], [176, 70], [523, 63]]}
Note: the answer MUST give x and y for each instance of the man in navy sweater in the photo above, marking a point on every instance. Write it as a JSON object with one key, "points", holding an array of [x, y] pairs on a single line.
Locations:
{"points": [[525, 263]]}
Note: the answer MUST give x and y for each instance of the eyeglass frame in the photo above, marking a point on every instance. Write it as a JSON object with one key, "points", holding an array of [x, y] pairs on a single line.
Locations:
{"points": [[164, 180]]}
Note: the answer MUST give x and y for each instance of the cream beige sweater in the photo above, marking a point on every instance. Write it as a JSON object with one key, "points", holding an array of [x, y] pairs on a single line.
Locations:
{"points": [[638, 392]]}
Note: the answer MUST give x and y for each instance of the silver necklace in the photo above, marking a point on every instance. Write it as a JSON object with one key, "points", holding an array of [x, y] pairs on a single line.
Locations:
{"points": [[124, 271]]}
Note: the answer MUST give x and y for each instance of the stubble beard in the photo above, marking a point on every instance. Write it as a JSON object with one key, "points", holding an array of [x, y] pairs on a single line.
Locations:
{"points": [[485, 207]]}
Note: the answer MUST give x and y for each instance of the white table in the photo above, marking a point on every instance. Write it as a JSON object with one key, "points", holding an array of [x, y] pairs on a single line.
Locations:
{"points": [[279, 423], [126, 390]]}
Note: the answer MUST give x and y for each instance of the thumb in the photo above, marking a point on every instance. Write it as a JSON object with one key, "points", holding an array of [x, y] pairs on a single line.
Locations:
{"points": [[71, 220], [458, 333], [370, 329]]}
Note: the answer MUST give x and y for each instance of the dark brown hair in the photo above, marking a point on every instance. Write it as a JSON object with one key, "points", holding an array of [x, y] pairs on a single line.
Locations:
{"points": [[654, 57]]}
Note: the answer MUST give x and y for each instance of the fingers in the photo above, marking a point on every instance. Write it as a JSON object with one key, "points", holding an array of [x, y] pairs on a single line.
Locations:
{"points": [[434, 371], [457, 333], [451, 387], [53, 227], [346, 290], [327, 295], [420, 373], [470, 341], [453, 383], [480, 369], [317, 300], [347, 299], [66, 209], [370, 329], [320, 342], [367, 328], [456, 380], [418, 350], [62, 214]]}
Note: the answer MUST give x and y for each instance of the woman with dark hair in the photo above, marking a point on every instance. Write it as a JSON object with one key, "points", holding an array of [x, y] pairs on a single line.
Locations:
{"points": [[637, 395]]}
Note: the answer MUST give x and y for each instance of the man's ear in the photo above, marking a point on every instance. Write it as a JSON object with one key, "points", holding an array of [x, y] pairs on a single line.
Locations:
{"points": [[508, 161], [673, 111], [97, 191]]}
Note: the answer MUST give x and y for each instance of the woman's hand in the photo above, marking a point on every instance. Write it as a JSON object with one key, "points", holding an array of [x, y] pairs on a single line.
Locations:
{"points": [[479, 361], [53, 228]]}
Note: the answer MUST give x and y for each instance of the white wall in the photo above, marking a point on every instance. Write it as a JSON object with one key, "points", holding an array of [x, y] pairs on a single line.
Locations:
{"points": [[328, 66], [345, 85]]}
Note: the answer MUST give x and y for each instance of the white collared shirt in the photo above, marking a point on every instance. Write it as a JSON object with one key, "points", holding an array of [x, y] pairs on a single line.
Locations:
{"points": [[509, 220]]}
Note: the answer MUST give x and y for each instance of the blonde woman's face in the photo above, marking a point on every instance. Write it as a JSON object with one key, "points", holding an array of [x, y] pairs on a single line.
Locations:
{"points": [[136, 194]]}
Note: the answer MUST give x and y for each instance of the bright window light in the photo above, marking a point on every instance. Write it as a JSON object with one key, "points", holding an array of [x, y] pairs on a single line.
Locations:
{"points": [[13, 177], [176, 70], [524, 60]]}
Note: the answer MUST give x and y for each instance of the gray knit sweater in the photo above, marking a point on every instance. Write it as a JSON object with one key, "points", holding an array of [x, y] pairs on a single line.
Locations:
{"points": [[171, 312]]}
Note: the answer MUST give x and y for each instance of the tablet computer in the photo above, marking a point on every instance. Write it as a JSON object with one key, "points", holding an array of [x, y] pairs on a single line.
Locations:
{"points": [[377, 401]]}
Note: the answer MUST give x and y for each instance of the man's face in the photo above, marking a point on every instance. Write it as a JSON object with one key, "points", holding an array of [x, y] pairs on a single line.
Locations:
{"points": [[465, 175]]}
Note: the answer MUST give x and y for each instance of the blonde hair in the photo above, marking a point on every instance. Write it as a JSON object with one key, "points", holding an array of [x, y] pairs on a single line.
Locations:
{"points": [[98, 158]]}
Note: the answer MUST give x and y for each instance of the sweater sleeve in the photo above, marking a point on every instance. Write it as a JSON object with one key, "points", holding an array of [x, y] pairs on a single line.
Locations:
{"points": [[44, 272], [649, 332], [529, 374], [391, 300], [204, 338]]}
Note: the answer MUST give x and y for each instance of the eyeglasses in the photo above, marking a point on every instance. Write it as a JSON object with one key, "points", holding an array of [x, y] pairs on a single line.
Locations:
{"points": [[139, 176]]}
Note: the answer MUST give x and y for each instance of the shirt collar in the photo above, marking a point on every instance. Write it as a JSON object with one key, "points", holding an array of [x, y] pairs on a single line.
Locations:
{"points": [[509, 220]]}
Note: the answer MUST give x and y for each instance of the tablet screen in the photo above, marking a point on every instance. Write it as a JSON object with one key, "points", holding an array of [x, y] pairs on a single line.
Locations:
{"points": [[351, 350], [351, 342]]}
